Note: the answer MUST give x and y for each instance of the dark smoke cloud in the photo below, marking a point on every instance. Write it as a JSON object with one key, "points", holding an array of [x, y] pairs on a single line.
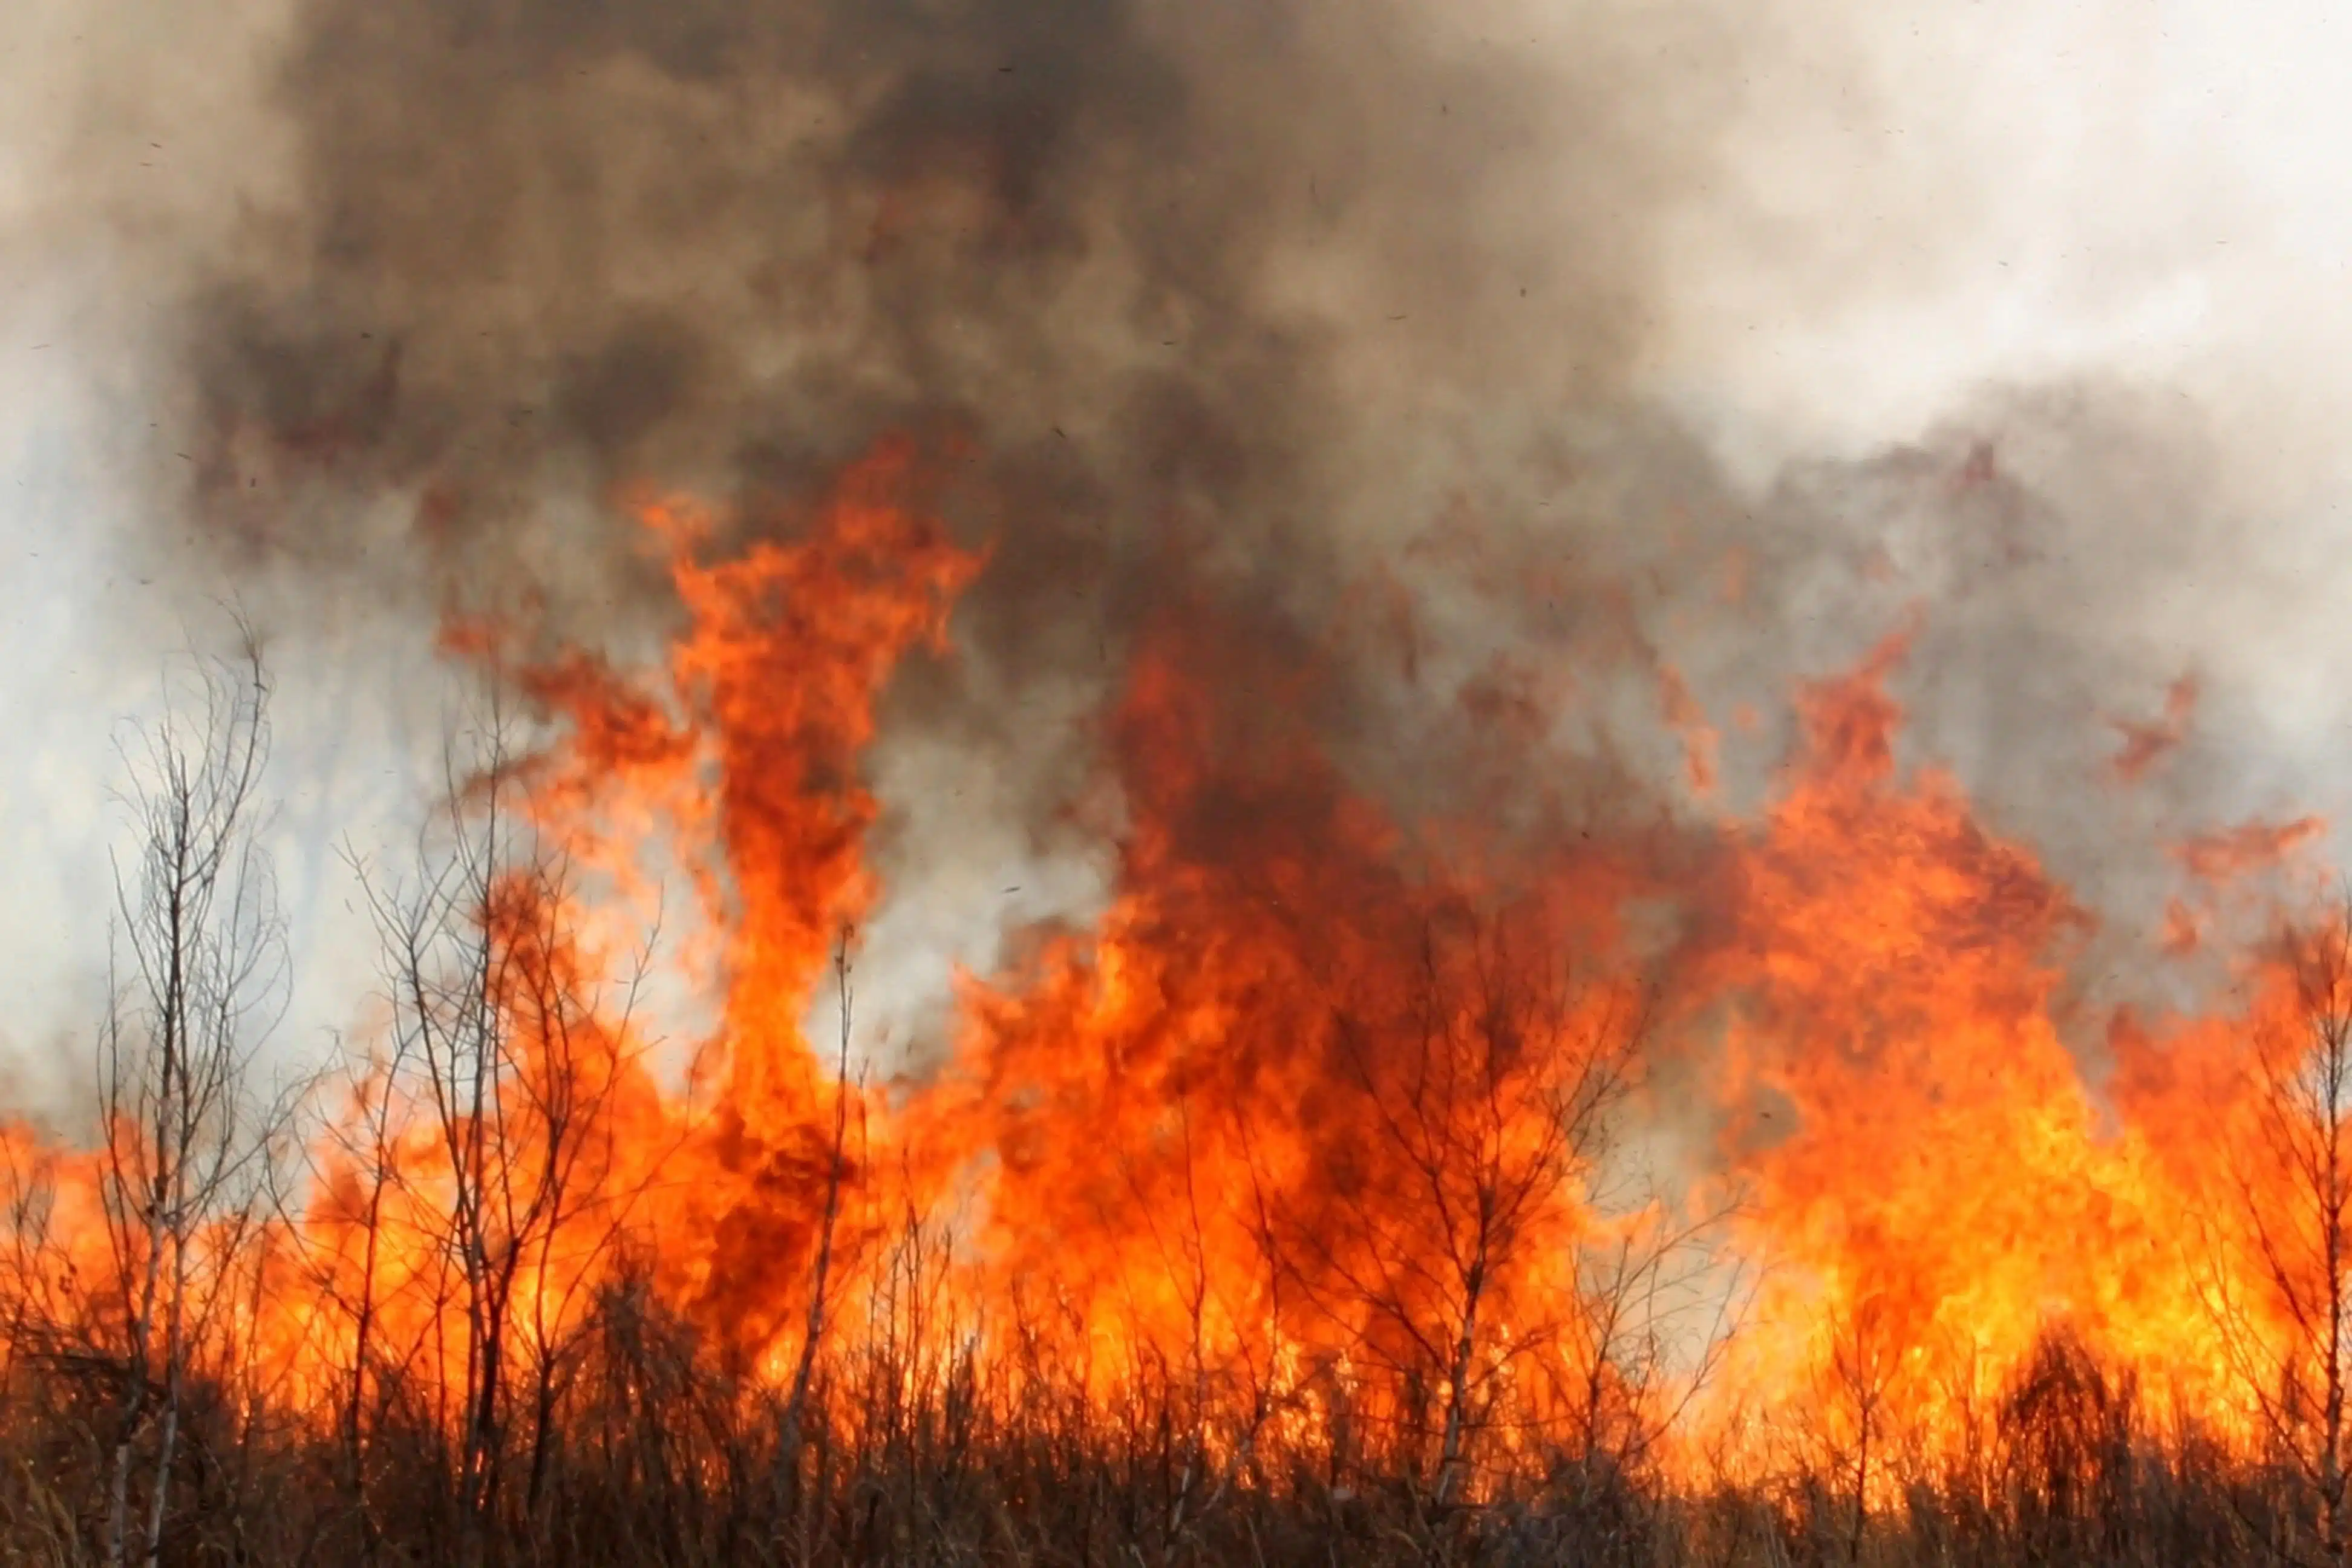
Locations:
{"points": [[536, 248], [1245, 275]]}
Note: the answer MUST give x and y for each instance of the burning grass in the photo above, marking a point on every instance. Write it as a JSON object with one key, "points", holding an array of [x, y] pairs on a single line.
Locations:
{"points": [[1297, 1211]]}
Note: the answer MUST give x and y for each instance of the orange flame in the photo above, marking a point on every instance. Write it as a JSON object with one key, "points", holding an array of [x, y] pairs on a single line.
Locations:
{"points": [[1333, 1110]]}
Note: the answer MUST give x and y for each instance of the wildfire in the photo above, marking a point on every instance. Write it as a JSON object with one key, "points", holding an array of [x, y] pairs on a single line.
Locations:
{"points": [[1326, 1132]]}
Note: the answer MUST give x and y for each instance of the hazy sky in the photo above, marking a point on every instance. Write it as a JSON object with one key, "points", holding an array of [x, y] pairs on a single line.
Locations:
{"points": [[1922, 198]]}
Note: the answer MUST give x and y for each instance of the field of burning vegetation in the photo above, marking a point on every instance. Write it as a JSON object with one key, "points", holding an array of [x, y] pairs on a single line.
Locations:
{"points": [[1178, 825], [1306, 1207]]}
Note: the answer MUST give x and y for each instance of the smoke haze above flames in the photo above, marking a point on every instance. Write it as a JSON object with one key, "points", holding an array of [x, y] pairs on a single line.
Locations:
{"points": [[1701, 338]]}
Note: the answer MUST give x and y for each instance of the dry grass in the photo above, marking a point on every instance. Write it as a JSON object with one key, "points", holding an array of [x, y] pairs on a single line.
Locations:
{"points": [[654, 1455]]}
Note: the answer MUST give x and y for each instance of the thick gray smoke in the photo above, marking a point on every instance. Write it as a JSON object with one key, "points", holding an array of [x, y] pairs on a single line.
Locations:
{"points": [[1302, 283], [1256, 271]]}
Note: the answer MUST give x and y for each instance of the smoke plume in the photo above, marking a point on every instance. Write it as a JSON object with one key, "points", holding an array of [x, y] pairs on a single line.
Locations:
{"points": [[1230, 305]]}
